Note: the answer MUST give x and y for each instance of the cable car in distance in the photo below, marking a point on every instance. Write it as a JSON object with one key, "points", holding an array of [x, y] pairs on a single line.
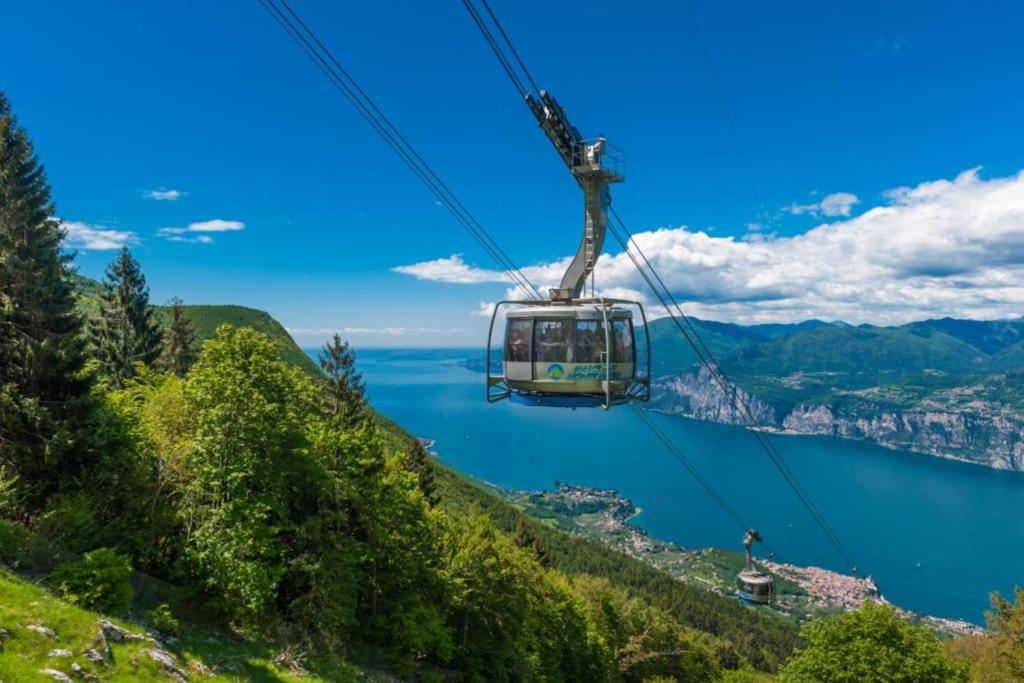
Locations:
{"points": [[753, 585], [570, 351]]}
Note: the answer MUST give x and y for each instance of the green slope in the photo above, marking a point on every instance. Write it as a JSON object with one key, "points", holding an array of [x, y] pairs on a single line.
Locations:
{"points": [[207, 318], [201, 653]]}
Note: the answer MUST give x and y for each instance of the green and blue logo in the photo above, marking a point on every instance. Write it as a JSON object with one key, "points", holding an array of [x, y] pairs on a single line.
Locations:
{"points": [[556, 371]]}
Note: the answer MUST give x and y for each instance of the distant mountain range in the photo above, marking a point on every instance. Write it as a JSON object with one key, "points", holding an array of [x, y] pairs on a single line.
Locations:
{"points": [[948, 387]]}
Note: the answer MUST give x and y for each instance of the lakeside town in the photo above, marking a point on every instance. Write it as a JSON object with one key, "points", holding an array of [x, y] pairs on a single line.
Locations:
{"points": [[801, 592]]}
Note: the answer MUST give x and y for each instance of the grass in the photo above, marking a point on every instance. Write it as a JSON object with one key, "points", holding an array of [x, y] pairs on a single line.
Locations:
{"points": [[26, 652]]}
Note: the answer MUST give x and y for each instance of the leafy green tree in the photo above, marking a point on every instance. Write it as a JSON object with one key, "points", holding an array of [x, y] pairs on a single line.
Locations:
{"points": [[125, 331], [343, 384], [42, 387], [870, 644], [249, 411], [179, 350]]}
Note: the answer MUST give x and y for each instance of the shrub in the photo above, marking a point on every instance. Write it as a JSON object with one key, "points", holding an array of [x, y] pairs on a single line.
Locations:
{"points": [[100, 581], [162, 620]]}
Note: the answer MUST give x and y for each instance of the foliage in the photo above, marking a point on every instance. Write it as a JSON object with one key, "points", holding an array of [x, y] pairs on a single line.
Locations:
{"points": [[179, 350], [125, 332], [41, 354], [343, 384], [100, 581], [870, 644], [8, 490], [162, 619], [248, 409], [997, 655]]}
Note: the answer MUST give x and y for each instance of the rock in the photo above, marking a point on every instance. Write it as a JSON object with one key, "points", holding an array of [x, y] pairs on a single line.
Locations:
{"points": [[77, 669], [59, 652], [43, 630], [4, 635], [95, 656], [200, 668], [56, 675], [117, 634], [166, 660]]}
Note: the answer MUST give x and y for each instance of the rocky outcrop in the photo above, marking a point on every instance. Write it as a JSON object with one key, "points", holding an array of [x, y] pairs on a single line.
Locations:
{"points": [[983, 433], [697, 395]]}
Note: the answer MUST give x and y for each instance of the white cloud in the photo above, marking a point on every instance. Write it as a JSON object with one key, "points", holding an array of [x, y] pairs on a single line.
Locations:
{"points": [[947, 247], [452, 269], [164, 195], [214, 225], [96, 237], [833, 205]]}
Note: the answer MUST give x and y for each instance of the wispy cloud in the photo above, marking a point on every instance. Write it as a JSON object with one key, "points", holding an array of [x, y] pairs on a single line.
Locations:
{"points": [[96, 237], [164, 194], [947, 247], [833, 205], [179, 234]]}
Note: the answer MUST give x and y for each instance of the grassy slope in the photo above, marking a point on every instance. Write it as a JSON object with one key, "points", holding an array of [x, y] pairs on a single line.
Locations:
{"points": [[26, 652]]}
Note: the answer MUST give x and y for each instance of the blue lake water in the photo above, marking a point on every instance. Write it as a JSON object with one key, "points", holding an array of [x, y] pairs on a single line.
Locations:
{"points": [[893, 510]]}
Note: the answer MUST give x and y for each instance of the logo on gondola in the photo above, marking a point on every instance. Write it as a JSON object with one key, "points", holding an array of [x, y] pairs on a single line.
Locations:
{"points": [[556, 371]]}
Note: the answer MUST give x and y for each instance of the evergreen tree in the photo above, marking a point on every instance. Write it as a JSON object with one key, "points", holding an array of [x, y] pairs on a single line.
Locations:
{"points": [[180, 341], [419, 464], [343, 384], [125, 332], [41, 349], [524, 537]]}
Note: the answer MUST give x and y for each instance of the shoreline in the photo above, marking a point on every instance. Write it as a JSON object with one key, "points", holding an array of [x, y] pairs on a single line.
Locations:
{"points": [[802, 591]]}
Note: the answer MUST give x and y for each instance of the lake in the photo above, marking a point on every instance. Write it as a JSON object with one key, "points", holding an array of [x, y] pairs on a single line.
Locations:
{"points": [[936, 535]]}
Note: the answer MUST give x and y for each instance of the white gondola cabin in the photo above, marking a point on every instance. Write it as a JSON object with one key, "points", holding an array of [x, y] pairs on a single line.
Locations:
{"points": [[575, 355]]}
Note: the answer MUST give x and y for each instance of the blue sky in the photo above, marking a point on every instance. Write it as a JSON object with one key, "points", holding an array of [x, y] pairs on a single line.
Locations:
{"points": [[297, 208]]}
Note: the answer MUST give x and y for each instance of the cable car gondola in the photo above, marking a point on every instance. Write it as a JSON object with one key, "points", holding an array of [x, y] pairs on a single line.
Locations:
{"points": [[570, 351], [754, 586]]}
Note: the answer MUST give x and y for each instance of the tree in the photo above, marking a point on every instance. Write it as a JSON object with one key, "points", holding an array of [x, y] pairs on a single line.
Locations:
{"points": [[870, 644], [180, 341], [249, 411], [125, 332], [419, 464], [343, 384], [42, 388], [997, 655]]}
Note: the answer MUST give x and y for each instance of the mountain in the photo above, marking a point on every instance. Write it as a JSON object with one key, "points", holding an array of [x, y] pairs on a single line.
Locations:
{"points": [[207, 318], [946, 387]]}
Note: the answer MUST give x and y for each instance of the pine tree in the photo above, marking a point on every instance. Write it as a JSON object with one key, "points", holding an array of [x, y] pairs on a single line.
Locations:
{"points": [[524, 537], [419, 464], [180, 340], [42, 388], [126, 331], [343, 384]]}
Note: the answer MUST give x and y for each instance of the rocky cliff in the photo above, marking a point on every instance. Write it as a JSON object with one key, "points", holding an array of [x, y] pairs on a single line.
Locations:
{"points": [[978, 431]]}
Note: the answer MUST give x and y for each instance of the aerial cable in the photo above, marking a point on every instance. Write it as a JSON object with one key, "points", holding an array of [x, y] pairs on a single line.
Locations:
{"points": [[498, 53], [511, 46], [391, 135], [691, 335]]}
